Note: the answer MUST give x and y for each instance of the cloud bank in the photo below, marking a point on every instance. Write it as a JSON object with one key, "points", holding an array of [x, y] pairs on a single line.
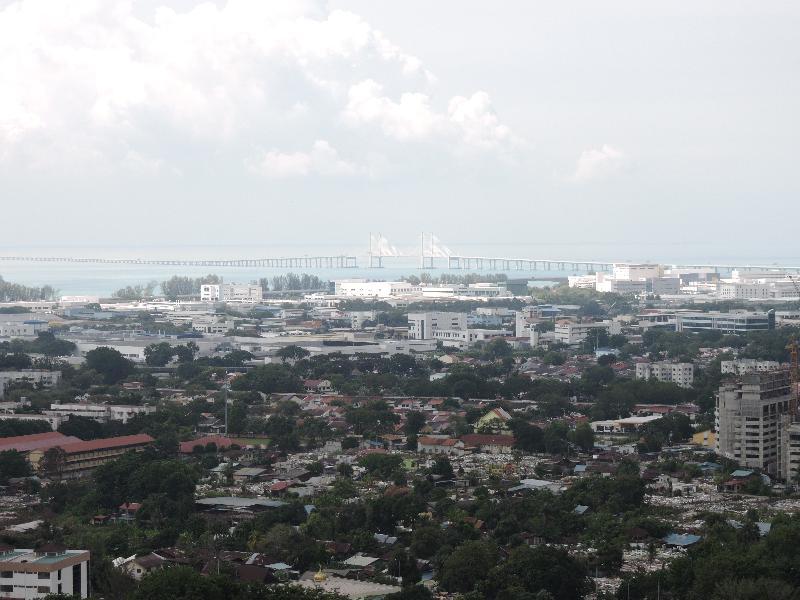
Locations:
{"points": [[279, 88]]}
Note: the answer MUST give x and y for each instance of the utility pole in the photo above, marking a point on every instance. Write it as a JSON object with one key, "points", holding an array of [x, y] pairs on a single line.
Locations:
{"points": [[225, 388]]}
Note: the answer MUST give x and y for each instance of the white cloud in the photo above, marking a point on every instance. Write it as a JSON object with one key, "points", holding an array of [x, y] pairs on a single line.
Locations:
{"points": [[477, 121], [86, 85], [323, 159], [600, 163], [468, 121], [410, 118]]}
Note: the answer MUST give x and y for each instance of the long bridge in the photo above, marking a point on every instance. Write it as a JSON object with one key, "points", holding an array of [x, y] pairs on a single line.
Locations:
{"points": [[431, 257], [481, 263], [294, 262]]}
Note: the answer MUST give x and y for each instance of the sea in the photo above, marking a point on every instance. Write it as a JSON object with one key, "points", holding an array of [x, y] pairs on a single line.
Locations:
{"points": [[93, 279]]}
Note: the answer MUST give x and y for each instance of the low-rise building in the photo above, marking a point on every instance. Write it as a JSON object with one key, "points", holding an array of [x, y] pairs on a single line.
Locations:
{"points": [[36, 377], [231, 292], [49, 569], [622, 426], [102, 413], [681, 374], [80, 457], [730, 322], [440, 445], [22, 329], [575, 332], [742, 366], [423, 326], [490, 444]]}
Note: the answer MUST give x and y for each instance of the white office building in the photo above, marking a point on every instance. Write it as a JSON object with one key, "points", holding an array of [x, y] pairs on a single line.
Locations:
{"points": [[586, 282], [102, 413], [635, 272], [361, 288], [22, 329], [573, 332], [51, 569], [681, 374], [421, 326], [231, 292]]}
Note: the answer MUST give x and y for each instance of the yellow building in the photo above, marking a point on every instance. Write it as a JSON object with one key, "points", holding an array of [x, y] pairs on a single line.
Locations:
{"points": [[706, 439], [495, 418]]}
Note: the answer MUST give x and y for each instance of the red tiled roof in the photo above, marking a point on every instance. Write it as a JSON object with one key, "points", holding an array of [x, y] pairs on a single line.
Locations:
{"points": [[107, 443], [477, 439], [280, 486], [36, 441], [220, 440], [432, 441]]}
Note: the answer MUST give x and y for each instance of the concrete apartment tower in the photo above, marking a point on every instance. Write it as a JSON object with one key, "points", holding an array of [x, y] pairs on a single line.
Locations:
{"points": [[753, 420]]}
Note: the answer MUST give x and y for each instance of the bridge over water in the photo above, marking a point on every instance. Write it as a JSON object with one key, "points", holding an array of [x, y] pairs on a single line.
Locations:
{"points": [[294, 262], [450, 261]]}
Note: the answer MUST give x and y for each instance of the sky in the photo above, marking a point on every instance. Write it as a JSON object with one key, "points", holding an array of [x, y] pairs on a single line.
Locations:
{"points": [[639, 127]]}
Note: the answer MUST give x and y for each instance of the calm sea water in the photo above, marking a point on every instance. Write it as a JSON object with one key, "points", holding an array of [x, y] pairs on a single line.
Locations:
{"points": [[100, 279]]}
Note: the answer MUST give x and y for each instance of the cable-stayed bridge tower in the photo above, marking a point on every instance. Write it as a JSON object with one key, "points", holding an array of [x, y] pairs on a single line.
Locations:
{"points": [[380, 248], [431, 249]]}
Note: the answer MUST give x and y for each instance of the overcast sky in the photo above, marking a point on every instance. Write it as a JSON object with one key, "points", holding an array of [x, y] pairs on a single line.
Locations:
{"points": [[655, 123]]}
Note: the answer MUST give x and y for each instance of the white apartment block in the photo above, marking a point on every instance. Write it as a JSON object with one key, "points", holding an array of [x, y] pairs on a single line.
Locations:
{"points": [[26, 573], [633, 272], [231, 292], [102, 413], [681, 374], [742, 366], [752, 421], [607, 284], [586, 282], [15, 329], [421, 326], [360, 288], [572, 332], [130, 349], [463, 338], [34, 376], [759, 289], [213, 324]]}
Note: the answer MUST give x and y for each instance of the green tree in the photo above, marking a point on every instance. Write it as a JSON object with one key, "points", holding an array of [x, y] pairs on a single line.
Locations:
{"points": [[83, 428], [467, 565], [158, 355], [292, 352], [109, 363], [381, 465], [13, 464], [582, 436], [415, 421]]}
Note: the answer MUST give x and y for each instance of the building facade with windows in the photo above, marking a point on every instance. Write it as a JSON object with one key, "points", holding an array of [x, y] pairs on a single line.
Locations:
{"points": [[730, 322], [681, 374], [50, 569], [422, 326], [231, 292], [752, 418], [36, 377]]}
